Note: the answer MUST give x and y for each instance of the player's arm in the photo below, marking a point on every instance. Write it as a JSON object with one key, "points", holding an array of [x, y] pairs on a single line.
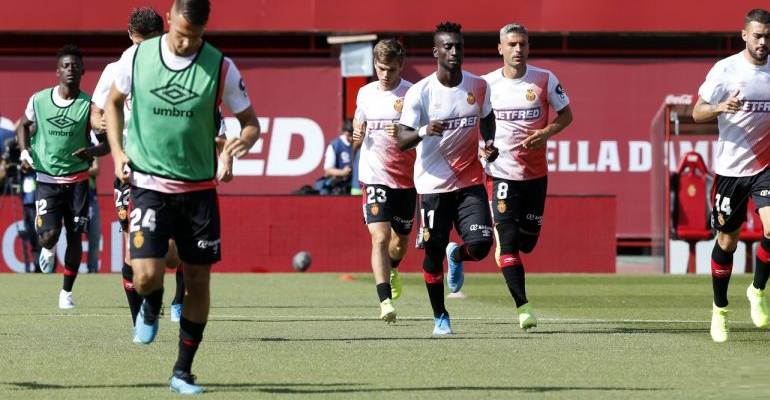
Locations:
{"points": [[537, 138], [487, 129], [23, 136], [239, 146], [113, 111], [705, 111]]}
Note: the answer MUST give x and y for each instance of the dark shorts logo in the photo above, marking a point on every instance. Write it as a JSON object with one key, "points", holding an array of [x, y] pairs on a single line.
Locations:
{"points": [[61, 121], [374, 208], [174, 94]]}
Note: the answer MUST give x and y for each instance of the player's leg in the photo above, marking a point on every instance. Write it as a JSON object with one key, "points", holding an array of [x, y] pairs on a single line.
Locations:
{"points": [[94, 234], [199, 245], [173, 262], [474, 223], [76, 201], [436, 223], [121, 195], [402, 203], [756, 291], [153, 215], [377, 219], [49, 205], [727, 215]]}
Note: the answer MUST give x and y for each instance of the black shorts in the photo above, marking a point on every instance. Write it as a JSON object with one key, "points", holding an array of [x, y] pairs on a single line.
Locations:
{"points": [[383, 204], [467, 209], [731, 196], [54, 201], [191, 219], [122, 192], [519, 201]]}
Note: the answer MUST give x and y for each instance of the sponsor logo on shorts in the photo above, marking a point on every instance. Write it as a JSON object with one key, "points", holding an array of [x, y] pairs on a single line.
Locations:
{"points": [[407, 223], [138, 239], [374, 208], [486, 231], [533, 217], [721, 219], [501, 207], [204, 244], [764, 193], [471, 99]]}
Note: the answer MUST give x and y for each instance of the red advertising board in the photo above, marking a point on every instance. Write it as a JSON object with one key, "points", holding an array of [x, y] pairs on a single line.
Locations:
{"points": [[263, 233], [605, 151]]}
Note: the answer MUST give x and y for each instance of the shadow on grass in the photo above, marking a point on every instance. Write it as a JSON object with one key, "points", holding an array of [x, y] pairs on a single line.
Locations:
{"points": [[332, 388]]}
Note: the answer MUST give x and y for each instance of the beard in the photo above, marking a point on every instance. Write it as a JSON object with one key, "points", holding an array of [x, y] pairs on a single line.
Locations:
{"points": [[758, 57]]}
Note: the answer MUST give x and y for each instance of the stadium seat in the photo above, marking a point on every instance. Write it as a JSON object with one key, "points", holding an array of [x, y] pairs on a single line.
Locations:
{"points": [[691, 211]]}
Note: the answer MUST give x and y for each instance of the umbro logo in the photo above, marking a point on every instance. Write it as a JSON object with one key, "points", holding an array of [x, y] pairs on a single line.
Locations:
{"points": [[174, 94], [61, 121]]}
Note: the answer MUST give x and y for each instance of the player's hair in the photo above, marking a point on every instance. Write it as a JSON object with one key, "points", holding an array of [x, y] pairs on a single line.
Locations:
{"points": [[347, 125], [757, 15], [145, 22], [195, 12], [513, 28], [448, 27], [388, 50], [70, 50]]}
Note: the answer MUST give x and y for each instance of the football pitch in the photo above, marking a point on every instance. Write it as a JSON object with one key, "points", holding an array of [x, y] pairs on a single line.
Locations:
{"points": [[311, 336]]}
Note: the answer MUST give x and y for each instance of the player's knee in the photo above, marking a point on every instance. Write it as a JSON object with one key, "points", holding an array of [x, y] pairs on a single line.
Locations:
{"points": [[478, 251], [48, 239], [380, 238], [527, 242]]}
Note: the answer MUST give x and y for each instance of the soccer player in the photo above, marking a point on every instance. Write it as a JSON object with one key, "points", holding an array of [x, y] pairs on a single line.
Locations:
{"points": [[176, 82], [60, 154], [443, 115], [737, 93], [521, 97], [385, 172]]}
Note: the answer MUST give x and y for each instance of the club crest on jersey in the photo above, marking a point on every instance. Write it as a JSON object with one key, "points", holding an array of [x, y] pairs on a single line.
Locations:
{"points": [[501, 207], [721, 219], [531, 96], [39, 221], [122, 213], [374, 208], [425, 234], [399, 105], [471, 99], [138, 239]]}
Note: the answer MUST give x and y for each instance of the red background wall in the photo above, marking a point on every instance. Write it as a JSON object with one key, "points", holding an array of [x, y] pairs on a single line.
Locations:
{"points": [[262, 234]]}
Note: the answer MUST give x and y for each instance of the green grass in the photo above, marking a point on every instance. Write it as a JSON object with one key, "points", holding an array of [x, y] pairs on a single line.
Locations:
{"points": [[310, 336]]}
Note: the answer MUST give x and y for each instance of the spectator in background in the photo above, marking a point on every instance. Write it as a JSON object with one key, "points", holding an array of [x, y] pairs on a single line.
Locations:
{"points": [[338, 163], [94, 221]]}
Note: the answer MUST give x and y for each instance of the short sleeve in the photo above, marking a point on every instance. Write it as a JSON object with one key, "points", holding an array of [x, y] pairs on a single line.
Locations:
{"points": [[557, 97], [412, 115], [235, 98]]}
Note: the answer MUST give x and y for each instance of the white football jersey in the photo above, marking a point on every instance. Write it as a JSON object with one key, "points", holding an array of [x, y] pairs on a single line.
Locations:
{"points": [[744, 137], [520, 105], [449, 162], [102, 92], [381, 162]]}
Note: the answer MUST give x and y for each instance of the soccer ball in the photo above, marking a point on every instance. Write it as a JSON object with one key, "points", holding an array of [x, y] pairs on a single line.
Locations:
{"points": [[301, 261]]}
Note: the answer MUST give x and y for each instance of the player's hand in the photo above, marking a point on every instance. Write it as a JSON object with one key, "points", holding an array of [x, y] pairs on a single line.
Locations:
{"points": [[490, 151], [391, 129], [226, 168], [436, 128], [358, 132], [26, 161], [83, 154], [732, 105], [536, 138], [347, 171], [236, 147], [122, 170]]}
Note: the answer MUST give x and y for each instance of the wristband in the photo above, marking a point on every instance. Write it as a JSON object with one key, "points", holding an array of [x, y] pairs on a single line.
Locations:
{"points": [[423, 131]]}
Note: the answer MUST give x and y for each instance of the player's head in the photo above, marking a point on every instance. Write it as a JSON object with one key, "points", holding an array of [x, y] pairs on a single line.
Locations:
{"points": [[144, 23], [514, 45], [756, 34], [186, 22], [388, 62], [69, 66], [448, 45]]}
